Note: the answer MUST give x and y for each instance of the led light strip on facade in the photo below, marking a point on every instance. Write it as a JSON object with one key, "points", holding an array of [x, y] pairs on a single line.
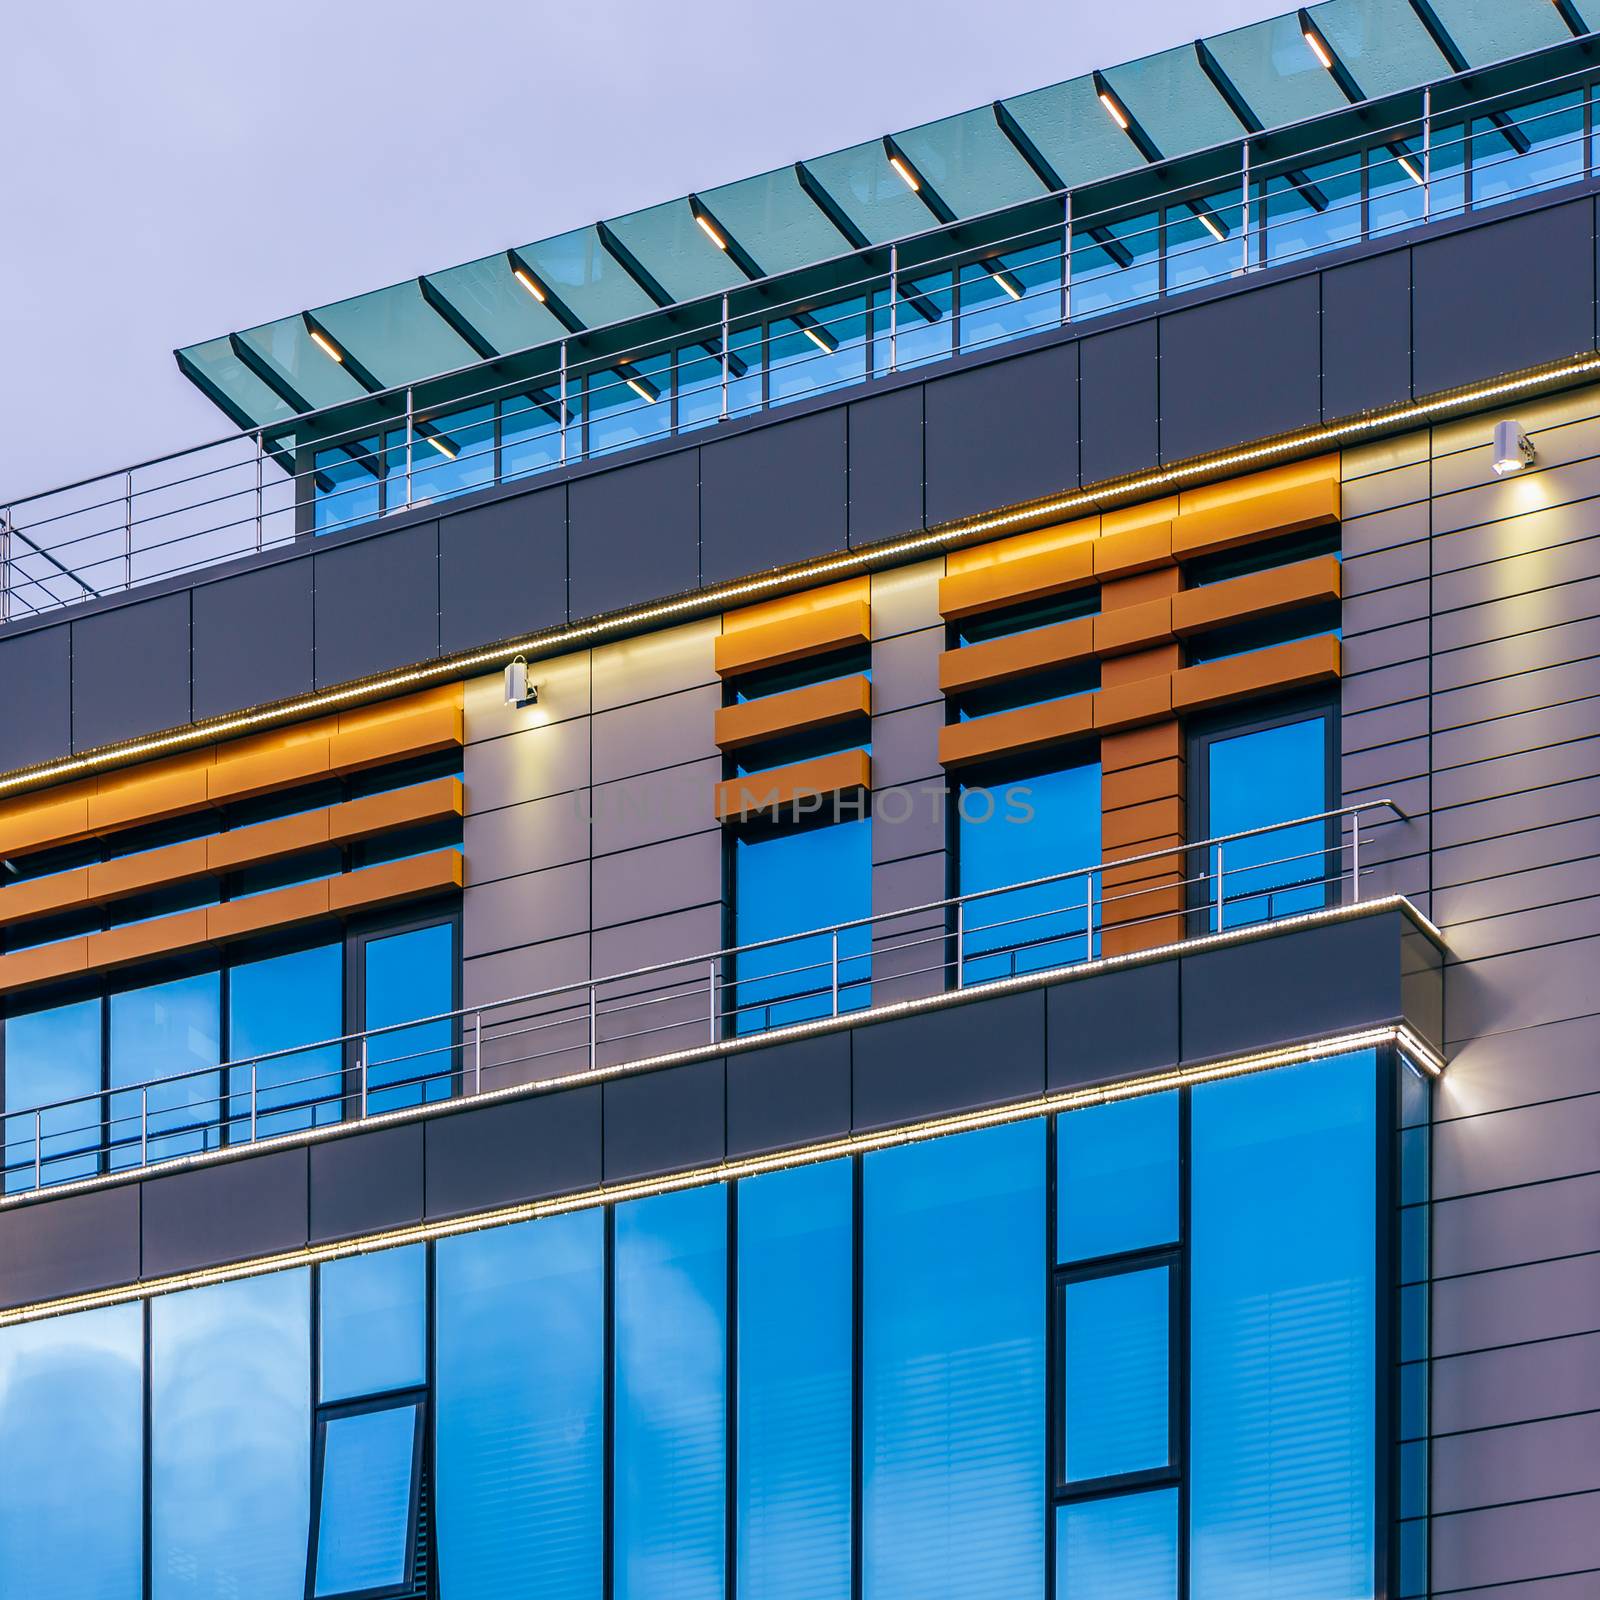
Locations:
{"points": [[1425, 1057], [747, 1167], [711, 599]]}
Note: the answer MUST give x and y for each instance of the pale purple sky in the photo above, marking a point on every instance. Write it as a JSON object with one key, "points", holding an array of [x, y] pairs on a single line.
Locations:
{"points": [[181, 168]]}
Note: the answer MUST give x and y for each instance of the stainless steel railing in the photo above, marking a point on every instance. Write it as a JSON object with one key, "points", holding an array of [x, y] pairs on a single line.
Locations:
{"points": [[582, 1029], [265, 487]]}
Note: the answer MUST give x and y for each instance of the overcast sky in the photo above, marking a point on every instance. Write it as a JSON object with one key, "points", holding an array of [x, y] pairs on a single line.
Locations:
{"points": [[175, 170]]}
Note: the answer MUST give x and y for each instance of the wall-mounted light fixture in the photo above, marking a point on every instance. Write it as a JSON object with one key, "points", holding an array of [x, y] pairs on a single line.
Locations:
{"points": [[1512, 449], [520, 691]]}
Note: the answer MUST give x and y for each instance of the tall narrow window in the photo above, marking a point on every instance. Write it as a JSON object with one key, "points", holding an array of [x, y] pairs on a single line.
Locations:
{"points": [[409, 977], [52, 1056], [795, 1316], [953, 1367], [163, 1038], [1283, 1285], [279, 1004], [787, 880], [1258, 777], [671, 1386], [520, 1436]]}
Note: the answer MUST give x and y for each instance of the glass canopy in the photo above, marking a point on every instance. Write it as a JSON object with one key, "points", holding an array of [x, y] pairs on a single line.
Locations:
{"points": [[1177, 102]]}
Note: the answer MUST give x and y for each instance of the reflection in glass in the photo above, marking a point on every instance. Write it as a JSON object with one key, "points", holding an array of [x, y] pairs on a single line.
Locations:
{"points": [[796, 1276], [281, 1003], [520, 1431], [1121, 1548], [364, 1515], [1527, 148], [345, 485], [1115, 1391], [1256, 779], [49, 1056], [1394, 187], [410, 975], [530, 434], [1195, 252], [450, 454], [630, 403], [72, 1455], [1283, 1297], [1310, 209], [1116, 264], [161, 1031], [1011, 295], [953, 1367], [671, 1395], [1011, 832], [786, 882], [230, 1439], [373, 1333], [816, 350], [1117, 1177], [924, 324]]}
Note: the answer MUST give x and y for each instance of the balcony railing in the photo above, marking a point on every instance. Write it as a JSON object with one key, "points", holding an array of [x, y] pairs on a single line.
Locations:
{"points": [[1066, 257], [748, 992]]}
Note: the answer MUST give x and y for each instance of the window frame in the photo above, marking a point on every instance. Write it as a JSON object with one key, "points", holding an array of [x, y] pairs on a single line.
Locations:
{"points": [[393, 1400]]}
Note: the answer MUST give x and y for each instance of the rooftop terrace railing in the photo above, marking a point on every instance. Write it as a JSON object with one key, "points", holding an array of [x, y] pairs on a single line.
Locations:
{"points": [[1067, 257], [748, 992]]}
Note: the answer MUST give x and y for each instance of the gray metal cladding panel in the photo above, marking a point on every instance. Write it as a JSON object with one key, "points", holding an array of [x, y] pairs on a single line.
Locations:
{"points": [[503, 569], [1112, 1025], [1525, 1461], [1517, 1384], [366, 1182], [70, 1245], [1240, 368], [665, 1120], [36, 709], [130, 671], [1366, 334], [773, 495], [980, 1053], [788, 1094], [633, 533], [377, 603], [254, 1206], [1002, 432], [1512, 1227], [253, 638], [885, 448], [1506, 295], [1510, 1544], [517, 1150], [1288, 986], [1119, 412]]}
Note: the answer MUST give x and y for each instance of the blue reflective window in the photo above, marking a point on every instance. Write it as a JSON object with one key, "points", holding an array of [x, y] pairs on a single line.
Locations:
{"points": [[1310, 209], [1527, 148], [449, 455], [49, 1056], [923, 324], [166, 1030], [1117, 1177], [953, 1367], [230, 1439], [373, 1323], [281, 1003], [699, 386], [786, 882], [1283, 1297], [1394, 187], [1116, 1391], [796, 1284], [1203, 241], [409, 975], [1124, 1547], [1115, 265], [1010, 295], [72, 1455], [1009, 833], [530, 434], [1254, 780], [519, 1420], [824, 348], [367, 1497], [629, 404], [346, 485], [671, 1395]]}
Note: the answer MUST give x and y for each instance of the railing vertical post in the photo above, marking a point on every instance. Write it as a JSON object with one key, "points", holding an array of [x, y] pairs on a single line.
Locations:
{"points": [[834, 970], [1355, 856], [1244, 212], [361, 1067], [127, 530], [1427, 154], [961, 942], [1066, 258], [1219, 889], [477, 1052], [894, 307], [144, 1125], [566, 420], [38, 1149], [254, 1101], [594, 1028], [5, 566], [411, 437], [1088, 907], [260, 454], [725, 357], [711, 999]]}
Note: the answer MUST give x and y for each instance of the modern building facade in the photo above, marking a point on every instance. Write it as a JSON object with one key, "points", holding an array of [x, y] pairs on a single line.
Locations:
{"points": [[880, 884]]}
